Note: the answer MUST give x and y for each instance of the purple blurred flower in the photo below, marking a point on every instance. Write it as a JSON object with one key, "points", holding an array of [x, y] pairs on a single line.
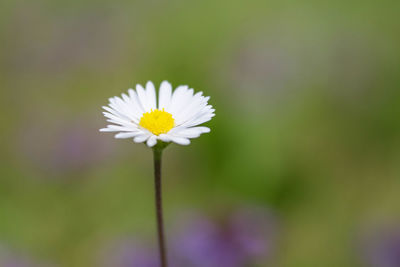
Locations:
{"points": [[203, 243], [245, 237], [382, 248]]}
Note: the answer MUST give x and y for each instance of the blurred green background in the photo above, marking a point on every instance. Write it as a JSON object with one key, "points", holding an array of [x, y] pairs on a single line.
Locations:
{"points": [[307, 99]]}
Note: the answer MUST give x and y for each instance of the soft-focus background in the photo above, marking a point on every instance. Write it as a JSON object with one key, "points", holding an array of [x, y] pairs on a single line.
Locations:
{"points": [[301, 168]]}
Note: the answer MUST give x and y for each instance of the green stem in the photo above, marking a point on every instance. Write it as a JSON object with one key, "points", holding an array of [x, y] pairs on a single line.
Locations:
{"points": [[157, 152]]}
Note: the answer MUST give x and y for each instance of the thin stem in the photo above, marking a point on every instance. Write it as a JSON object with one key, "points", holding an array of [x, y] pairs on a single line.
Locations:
{"points": [[158, 194]]}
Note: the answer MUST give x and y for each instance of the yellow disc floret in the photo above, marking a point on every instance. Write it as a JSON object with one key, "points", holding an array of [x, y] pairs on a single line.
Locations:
{"points": [[157, 121]]}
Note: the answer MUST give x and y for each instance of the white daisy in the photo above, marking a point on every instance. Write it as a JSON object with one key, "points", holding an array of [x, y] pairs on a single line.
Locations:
{"points": [[174, 119]]}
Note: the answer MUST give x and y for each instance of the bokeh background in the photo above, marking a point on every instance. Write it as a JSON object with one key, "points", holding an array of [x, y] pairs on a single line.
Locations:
{"points": [[301, 168]]}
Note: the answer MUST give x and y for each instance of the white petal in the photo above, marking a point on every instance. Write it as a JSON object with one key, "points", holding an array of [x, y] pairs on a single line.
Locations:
{"points": [[132, 105], [196, 104], [128, 125], [199, 121], [164, 137], [128, 135], [125, 108], [106, 130], [125, 98], [203, 129], [182, 102], [196, 121], [180, 140], [119, 120], [152, 141], [117, 110], [189, 132], [176, 99], [200, 129], [117, 114], [135, 100], [151, 95], [112, 111], [142, 96], [116, 128], [205, 115], [141, 138], [165, 93]]}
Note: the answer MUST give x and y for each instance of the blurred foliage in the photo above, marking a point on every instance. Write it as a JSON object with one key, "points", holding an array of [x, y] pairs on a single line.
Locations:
{"points": [[307, 97]]}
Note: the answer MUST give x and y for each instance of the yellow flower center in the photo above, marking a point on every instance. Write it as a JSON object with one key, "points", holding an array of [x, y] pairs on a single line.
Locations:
{"points": [[157, 121]]}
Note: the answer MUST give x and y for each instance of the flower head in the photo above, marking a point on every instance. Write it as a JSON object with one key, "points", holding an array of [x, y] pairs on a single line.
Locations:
{"points": [[173, 118]]}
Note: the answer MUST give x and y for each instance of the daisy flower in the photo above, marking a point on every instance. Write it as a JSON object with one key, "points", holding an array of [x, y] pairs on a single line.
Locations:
{"points": [[173, 117]]}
